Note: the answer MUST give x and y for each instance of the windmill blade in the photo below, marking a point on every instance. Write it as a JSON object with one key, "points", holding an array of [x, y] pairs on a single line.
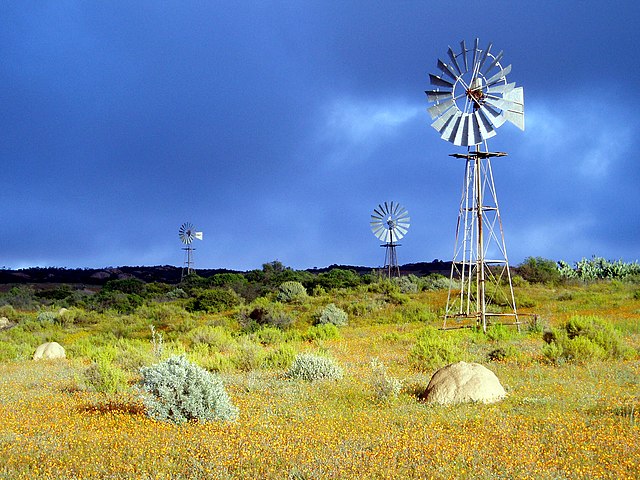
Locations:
{"points": [[437, 95], [439, 81], [451, 130], [440, 108], [441, 123], [484, 124], [460, 136], [476, 51], [447, 70], [379, 211], [464, 55], [485, 55], [454, 61], [474, 136], [495, 61], [516, 115], [506, 103], [492, 115], [499, 76], [502, 88]]}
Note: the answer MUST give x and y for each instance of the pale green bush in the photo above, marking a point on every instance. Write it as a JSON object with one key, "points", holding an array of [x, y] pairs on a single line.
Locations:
{"points": [[310, 367], [384, 386], [332, 314], [105, 377], [291, 291], [434, 349], [176, 390]]}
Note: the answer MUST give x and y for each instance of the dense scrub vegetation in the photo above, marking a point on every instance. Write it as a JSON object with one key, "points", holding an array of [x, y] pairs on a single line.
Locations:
{"points": [[334, 359]]}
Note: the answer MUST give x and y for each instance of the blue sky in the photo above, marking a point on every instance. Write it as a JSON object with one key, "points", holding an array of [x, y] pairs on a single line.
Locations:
{"points": [[277, 127]]}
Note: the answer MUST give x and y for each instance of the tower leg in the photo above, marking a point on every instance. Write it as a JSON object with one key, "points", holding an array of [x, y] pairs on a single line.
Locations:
{"points": [[480, 285]]}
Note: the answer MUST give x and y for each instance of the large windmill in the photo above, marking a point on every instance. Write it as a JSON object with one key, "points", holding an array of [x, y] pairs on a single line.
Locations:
{"points": [[188, 234], [389, 223], [471, 100]]}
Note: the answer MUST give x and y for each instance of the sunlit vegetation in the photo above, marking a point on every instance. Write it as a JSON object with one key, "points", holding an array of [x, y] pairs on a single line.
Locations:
{"points": [[265, 386]]}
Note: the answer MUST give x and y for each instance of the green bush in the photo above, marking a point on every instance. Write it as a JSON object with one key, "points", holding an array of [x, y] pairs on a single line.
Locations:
{"points": [[334, 315], [215, 337], [176, 390], [310, 367], [539, 270], [105, 377], [325, 331], [585, 338], [280, 357], [434, 349], [213, 300], [291, 291]]}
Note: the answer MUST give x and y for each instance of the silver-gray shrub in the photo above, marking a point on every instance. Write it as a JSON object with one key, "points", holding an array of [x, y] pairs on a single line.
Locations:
{"points": [[334, 315], [384, 386], [310, 367], [291, 291], [177, 390]]}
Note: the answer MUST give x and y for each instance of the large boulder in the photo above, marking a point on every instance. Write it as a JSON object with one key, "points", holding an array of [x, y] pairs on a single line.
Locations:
{"points": [[464, 382], [49, 350]]}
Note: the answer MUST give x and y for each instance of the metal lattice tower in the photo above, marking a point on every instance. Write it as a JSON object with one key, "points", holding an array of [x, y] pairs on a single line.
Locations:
{"points": [[473, 99]]}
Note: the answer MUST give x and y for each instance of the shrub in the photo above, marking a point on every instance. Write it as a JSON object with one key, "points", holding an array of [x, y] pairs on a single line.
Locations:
{"points": [[291, 291], [333, 315], [263, 312], [584, 338], [176, 390], [105, 377], [407, 284], [498, 332], [213, 300], [539, 270], [435, 281], [281, 357], [325, 331], [310, 367], [384, 386], [213, 336], [434, 349], [503, 353], [46, 316]]}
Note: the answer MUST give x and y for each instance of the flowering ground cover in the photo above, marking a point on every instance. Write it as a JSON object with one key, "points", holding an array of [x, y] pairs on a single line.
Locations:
{"points": [[563, 419]]}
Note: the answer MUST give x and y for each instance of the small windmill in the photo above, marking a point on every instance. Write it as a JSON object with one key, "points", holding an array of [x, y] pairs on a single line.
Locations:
{"points": [[389, 223], [473, 99], [187, 234]]}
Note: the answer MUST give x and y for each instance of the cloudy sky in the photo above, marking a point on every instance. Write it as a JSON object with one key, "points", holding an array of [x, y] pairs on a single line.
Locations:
{"points": [[276, 127]]}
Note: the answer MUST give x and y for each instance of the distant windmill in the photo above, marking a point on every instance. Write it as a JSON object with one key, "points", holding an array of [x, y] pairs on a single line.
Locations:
{"points": [[389, 223], [187, 234], [471, 100]]}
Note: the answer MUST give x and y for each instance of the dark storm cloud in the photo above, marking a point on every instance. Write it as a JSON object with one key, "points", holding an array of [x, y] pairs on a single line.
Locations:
{"points": [[276, 127]]}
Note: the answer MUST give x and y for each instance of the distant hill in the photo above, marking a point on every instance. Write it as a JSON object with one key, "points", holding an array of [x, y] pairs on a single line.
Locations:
{"points": [[171, 274]]}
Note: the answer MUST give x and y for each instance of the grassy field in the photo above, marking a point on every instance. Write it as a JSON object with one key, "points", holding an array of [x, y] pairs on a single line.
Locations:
{"points": [[561, 419]]}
